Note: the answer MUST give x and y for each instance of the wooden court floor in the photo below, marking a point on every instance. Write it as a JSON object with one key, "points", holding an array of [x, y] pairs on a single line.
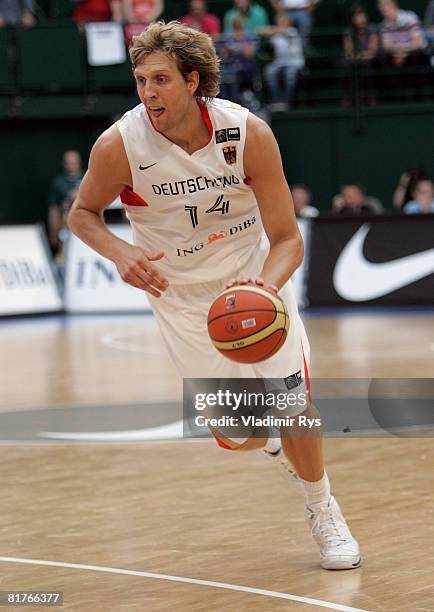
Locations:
{"points": [[183, 525]]}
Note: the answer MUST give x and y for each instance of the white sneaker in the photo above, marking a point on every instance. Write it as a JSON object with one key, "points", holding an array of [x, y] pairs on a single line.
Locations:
{"points": [[338, 549]]}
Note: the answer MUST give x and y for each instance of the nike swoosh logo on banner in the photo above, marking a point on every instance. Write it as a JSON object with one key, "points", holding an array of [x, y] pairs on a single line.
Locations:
{"points": [[356, 279], [146, 167]]}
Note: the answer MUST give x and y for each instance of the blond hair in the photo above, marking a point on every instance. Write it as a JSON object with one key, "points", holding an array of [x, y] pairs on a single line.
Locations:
{"points": [[192, 50]]}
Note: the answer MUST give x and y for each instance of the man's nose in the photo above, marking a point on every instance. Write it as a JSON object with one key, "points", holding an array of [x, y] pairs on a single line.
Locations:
{"points": [[149, 90]]}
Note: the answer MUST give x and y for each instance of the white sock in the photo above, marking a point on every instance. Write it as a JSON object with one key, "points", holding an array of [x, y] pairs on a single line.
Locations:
{"points": [[317, 492]]}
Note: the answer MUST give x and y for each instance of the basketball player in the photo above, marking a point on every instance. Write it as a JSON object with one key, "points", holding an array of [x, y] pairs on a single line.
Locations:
{"points": [[203, 187]]}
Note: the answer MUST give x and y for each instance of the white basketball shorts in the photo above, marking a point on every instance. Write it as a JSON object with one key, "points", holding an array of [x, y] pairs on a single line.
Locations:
{"points": [[181, 314]]}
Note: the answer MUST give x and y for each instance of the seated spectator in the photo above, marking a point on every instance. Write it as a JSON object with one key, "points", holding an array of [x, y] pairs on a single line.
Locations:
{"points": [[302, 198], [281, 73], [17, 12], [199, 19], [92, 10], [429, 21], [407, 182], [63, 190], [361, 39], [353, 201], [403, 44], [254, 16], [300, 12], [423, 202], [401, 32], [237, 50], [136, 14]]}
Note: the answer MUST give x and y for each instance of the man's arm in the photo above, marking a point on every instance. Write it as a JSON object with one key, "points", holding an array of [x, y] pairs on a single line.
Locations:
{"points": [[107, 176], [263, 165], [417, 39]]}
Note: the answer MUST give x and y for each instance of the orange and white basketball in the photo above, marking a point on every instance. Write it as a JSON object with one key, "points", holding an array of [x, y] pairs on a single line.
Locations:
{"points": [[247, 323]]}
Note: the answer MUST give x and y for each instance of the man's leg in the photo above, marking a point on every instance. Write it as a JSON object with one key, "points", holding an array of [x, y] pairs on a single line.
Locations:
{"points": [[289, 79], [303, 448], [272, 79], [300, 458]]}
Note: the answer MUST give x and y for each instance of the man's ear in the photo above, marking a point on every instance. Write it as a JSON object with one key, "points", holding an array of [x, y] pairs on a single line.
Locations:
{"points": [[192, 80]]}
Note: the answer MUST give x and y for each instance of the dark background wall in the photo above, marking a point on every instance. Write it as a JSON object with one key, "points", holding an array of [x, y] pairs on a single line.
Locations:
{"points": [[325, 150], [322, 149], [30, 154]]}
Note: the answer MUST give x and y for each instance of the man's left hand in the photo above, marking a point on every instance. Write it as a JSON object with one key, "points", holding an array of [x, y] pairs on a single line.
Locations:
{"points": [[254, 281]]}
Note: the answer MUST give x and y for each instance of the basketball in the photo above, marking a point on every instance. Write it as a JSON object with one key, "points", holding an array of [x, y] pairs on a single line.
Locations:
{"points": [[248, 324]]}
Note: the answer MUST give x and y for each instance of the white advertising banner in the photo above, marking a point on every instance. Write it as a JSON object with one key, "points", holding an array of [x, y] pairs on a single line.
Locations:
{"points": [[93, 284], [27, 283]]}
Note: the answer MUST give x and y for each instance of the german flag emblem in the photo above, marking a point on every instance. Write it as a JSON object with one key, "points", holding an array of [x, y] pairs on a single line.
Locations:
{"points": [[230, 154]]}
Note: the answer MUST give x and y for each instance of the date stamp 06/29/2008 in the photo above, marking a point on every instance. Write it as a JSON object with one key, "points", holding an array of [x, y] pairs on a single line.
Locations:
{"points": [[31, 598]]}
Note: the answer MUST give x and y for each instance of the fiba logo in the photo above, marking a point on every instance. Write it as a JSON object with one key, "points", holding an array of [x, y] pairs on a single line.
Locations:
{"points": [[230, 301]]}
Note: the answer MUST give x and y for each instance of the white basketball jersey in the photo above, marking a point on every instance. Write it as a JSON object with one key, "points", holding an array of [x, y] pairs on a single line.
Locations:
{"points": [[199, 208]]}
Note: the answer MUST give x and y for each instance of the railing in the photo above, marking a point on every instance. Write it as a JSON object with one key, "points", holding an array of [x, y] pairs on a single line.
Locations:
{"points": [[51, 59]]}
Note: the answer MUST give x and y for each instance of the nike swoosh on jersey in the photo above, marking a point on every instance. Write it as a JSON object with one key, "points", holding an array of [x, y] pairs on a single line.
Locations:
{"points": [[356, 279], [146, 167]]}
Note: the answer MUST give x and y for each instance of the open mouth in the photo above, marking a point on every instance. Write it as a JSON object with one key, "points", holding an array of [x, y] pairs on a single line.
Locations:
{"points": [[156, 112]]}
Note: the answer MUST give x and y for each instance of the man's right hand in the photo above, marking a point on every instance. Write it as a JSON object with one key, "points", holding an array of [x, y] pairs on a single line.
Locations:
{"points": [[135, 268]]}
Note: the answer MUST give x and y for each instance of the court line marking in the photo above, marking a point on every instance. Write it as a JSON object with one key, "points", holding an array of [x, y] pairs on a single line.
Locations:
{"points": [[128, 342], [210, 583], [171, 431]]}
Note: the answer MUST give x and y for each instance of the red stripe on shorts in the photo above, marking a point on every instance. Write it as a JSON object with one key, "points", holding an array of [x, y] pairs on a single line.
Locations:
{"points": [[306, 375], [220, 442]]}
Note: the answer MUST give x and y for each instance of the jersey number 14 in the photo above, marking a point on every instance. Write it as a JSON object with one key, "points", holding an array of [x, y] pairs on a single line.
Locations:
{"points": [[218, 206]]}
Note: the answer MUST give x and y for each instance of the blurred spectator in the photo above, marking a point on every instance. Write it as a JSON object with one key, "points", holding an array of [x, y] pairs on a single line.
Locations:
{"points": [[353, 201], [92, 10], [302, 198], [300, 12], [281, 73], [361, 42], [254, 16], [237, 50], [63, 190], [407, 182], [136, 14], [200, 19], [429, 21], [423, 201], [17, 12], [361, 39], [402, 52], [402, 37]]}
